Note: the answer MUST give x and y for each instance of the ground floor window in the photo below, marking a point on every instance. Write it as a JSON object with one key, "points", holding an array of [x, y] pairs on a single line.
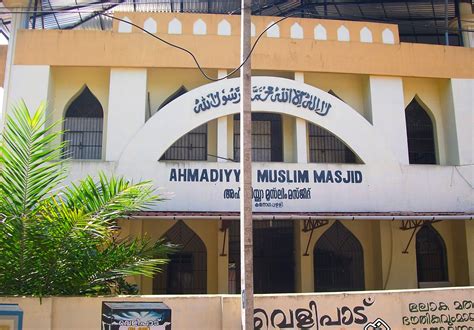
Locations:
{"points": [[274, 258], [431, 260], [187, 270], [338, 261]]}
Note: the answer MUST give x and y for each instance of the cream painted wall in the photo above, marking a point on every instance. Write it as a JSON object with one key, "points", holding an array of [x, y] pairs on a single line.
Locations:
{"points": [[388, 113], [127, 105], [212, 140], [458, 102], [68, 82], [29, 83], [288, 128], [350, 88]]}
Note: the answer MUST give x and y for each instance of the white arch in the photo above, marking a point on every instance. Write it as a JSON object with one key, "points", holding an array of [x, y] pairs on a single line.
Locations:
{"points": [[320, 33], [150, 25], [343, 34], [296, 31], [341, 120], [224, 28], [175, 26], [274, 31], [366, 35], [124, 26], [388, 37], [199, 27]]}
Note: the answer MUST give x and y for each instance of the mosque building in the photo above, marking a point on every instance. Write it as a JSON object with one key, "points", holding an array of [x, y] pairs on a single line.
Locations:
{"points": [[362, 134]]}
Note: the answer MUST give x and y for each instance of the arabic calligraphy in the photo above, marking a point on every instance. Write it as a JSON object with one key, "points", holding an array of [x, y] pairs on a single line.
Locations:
{"points": [[275, 94], [305, 318]]}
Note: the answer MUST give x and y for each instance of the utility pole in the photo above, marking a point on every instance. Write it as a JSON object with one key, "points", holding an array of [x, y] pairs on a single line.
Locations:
{"points": [[246, 226]]}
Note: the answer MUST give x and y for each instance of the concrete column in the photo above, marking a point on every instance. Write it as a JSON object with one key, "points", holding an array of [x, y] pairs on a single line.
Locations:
{"points": [[18, 21], [127, 108], [222, 260], [459, 101], [467, 22], [222, 127], [304, 271], [388, 113], [301, 135], [29, 83]]}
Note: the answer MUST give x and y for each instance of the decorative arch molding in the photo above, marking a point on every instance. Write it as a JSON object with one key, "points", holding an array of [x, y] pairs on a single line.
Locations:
{"points": [[341, 120]]}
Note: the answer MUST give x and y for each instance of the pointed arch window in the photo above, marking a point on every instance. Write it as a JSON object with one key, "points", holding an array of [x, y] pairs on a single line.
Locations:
{"points": [[325, 147], [180, 91], [83, 126], [187, 270], [431, 260], [420, 135], [338, 261]]}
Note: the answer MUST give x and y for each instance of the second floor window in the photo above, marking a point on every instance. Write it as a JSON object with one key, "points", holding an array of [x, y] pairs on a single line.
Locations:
{"points": [[83, 126], [267, 140]]}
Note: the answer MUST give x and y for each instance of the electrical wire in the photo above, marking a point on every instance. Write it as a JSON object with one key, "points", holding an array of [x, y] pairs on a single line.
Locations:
{"points": [[198, 65]]}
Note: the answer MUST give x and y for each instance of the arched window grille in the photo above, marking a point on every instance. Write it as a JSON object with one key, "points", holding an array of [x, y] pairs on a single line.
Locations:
{"points": [[180, 91], [83, 126], [186, 273], [267, 139], [420, 135], [273, 256], [338, 261], [325, 147], [431, 260], [192, 146]]}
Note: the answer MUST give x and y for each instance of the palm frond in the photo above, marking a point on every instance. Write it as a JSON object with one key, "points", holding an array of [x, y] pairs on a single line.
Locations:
{"points": [[31, 164]]}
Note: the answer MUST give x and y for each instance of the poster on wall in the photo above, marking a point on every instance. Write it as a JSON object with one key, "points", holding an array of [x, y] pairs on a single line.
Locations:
{"points": [[135, 316]]}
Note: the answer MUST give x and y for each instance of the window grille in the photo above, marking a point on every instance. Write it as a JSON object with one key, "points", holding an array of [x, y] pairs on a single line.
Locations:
{"points": [[186, 273], [431, 261], [267, 140], [325, 147], [192, 146], [338, 261], [274, 257], [420, 134], [83, 126]]}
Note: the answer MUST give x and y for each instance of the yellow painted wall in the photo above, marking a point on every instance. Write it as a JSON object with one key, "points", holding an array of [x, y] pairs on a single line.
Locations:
{"points": [[73, 48], [68, 82], [469, 232], [163, 82], [385, 266], [348, 87], [207, 230]]}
